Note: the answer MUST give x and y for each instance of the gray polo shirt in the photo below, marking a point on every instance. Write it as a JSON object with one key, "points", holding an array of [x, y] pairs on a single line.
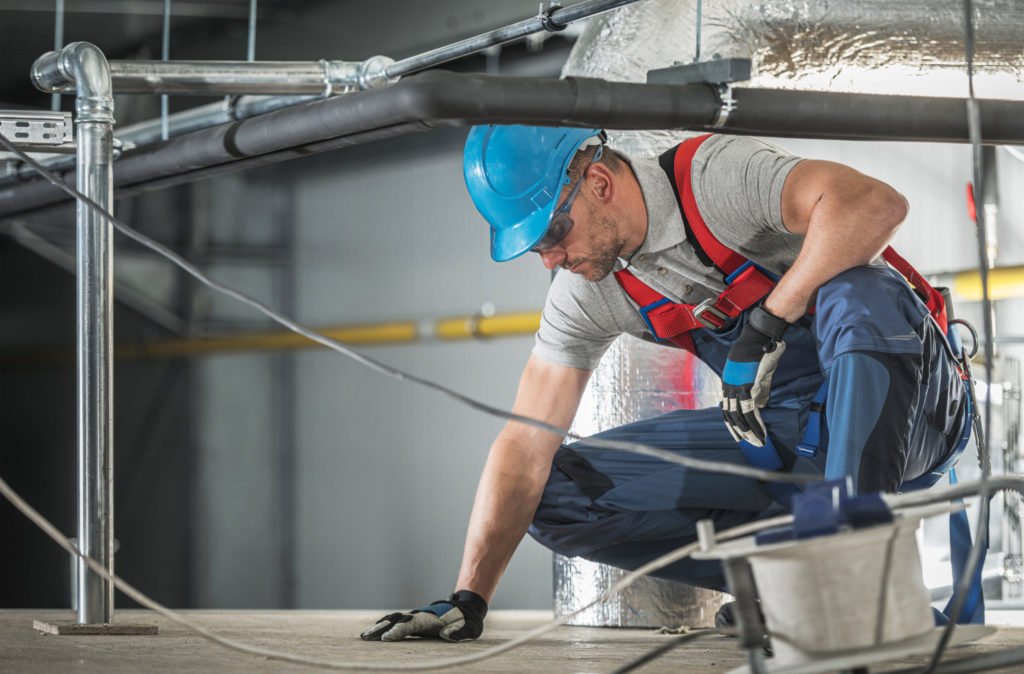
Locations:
{"points": [[737, 183]]}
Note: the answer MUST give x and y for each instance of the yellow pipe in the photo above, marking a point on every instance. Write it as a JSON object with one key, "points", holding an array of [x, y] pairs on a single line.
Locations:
{"points": [[499, 325], [1003, 283], [400, 332]]}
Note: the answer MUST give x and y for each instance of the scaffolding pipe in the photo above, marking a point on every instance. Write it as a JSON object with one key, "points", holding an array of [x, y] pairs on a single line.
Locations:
{"points": [[82, 67], [437, 98], [216, 78]]}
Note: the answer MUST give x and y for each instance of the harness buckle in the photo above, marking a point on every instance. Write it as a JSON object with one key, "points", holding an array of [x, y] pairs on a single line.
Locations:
{"points": [[709, 315]]}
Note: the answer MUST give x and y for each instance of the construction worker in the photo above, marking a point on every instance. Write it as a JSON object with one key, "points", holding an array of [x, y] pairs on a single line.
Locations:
{"points": [[768, 268]]}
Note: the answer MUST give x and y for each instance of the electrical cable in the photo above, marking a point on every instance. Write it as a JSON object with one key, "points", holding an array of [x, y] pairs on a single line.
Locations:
{"points": [[981, 529], [129, 590], [395, 373], [663, 649]]}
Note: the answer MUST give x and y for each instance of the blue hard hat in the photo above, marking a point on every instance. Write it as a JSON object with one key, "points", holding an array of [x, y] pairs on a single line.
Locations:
{"points": [[514, 175]]}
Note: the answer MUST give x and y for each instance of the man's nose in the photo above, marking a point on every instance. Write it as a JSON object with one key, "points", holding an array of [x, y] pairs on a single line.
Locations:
{"points": [[552, 257]]}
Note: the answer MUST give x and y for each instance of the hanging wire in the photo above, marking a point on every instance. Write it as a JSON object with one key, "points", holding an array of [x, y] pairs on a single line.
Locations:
{"points": [[250, 51], [165, 54], [700, 11], [58, 42], [981, 528]]}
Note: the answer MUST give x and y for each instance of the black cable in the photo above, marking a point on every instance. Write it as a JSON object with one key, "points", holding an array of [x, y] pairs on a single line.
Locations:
{"points": [[664, 648], [395, 373], [967, 576]]}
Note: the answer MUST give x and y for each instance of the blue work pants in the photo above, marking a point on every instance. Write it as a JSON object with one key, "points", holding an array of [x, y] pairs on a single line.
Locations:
{"points": [[895, 411]]}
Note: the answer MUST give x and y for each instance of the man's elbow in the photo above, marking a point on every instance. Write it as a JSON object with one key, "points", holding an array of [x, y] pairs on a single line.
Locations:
{"points": [[890, 209]]}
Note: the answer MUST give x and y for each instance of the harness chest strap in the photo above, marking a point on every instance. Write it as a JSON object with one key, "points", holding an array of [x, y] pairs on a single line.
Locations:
{"points": [[746, 283]]}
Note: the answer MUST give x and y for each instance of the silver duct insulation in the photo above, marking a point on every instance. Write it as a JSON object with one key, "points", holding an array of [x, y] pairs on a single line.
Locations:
{"points": [[913, 47], [635, 380]]}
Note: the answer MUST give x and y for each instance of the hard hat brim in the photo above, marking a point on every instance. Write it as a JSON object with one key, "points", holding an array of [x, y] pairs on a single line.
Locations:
{"points": [[512, 242]]}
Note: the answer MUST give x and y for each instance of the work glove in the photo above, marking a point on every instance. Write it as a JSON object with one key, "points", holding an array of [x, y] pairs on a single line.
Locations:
{"points": [[747, 378], [460, 617]]}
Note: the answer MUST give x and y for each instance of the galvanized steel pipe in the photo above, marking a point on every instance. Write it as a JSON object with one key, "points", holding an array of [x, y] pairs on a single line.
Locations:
{"points": [[215, 78], [83, 66]]}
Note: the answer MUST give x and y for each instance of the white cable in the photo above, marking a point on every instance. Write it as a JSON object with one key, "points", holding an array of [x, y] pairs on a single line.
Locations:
{"points": [[206, 633], [195, 272]]}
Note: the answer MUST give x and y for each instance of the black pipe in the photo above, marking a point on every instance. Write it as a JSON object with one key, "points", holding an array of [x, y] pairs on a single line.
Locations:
{"points": [[439, 98]]}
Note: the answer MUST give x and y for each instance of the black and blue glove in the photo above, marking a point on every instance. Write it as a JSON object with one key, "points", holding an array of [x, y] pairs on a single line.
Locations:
{"points": [[747, 378], [458, 618]]}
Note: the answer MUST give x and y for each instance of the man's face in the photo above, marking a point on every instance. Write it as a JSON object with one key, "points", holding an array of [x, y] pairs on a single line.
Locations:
{"points": [[592, 245]]}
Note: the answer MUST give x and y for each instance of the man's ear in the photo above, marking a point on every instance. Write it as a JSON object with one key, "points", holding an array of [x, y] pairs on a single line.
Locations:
{"points": [[601, 182]]}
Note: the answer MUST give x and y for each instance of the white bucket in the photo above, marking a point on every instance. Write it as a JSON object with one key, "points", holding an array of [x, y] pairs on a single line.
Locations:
{"points": [[828, 596]]}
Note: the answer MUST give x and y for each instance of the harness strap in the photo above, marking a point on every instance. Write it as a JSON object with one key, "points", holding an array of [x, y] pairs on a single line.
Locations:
{"points": [[725, 259], [811, 440], [973, 611], [767, 458], [932, 298]]}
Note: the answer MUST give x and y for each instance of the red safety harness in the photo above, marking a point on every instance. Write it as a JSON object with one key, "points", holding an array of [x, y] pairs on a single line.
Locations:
{"points": [[746, 283]]}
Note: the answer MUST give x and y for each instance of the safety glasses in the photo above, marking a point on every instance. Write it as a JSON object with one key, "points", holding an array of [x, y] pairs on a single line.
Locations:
{"points": [[561, 222]]}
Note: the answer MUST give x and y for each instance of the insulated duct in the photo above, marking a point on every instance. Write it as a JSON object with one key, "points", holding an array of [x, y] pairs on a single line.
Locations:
{"points": [[907, 48], [635, 380]]}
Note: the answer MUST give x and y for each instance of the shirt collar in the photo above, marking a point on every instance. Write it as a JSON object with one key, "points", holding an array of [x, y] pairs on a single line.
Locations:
{"points": [[665, 227]]}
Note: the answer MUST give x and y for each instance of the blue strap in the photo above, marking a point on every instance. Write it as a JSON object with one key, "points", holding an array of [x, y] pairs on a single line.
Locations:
{"points": [[973, 612], [809, 443], [767, 458]]}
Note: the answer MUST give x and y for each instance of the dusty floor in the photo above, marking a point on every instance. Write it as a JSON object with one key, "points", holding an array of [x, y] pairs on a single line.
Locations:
{"points": [[333, 635]]}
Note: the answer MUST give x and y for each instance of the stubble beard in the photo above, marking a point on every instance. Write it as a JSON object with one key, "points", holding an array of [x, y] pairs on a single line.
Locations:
{"points": [[605, 247]]}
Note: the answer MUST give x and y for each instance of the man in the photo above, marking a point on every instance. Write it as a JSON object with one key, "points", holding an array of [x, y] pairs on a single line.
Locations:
{"points": [[633, 238]]}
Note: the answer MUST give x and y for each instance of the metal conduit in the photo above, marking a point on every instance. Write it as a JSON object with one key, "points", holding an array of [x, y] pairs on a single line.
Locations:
{"points": [[438, 98], [83, 68]]}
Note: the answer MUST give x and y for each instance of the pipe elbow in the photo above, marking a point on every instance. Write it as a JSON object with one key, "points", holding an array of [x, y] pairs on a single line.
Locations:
{"points": [[79, 68]]}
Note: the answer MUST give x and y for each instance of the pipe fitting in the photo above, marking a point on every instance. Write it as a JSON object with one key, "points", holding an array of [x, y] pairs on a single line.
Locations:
{"points": [[373, 73], [80, 67]]}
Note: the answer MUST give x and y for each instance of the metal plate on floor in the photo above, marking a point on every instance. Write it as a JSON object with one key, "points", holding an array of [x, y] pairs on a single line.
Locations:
{"points": [[70, 628]]}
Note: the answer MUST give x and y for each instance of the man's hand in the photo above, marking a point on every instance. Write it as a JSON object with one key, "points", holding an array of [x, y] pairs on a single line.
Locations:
{"points": [[458, 618], [747, 378]]}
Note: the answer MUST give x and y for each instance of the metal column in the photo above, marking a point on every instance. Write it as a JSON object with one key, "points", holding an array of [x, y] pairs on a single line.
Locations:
{"points": [[86, 66]]}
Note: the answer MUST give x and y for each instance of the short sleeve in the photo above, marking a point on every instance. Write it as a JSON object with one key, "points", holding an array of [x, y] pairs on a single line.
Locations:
{"points": [[576, 326], [737, 183]]}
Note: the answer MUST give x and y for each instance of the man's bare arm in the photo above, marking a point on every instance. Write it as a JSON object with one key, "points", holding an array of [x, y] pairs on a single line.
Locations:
{"points": [[846, 218], [516, 471]]}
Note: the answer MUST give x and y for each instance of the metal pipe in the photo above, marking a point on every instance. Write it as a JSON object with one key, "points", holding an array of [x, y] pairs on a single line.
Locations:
{"points": [[438, 98], [83, 66], [373, 334], [215, 78], [556, 18]]}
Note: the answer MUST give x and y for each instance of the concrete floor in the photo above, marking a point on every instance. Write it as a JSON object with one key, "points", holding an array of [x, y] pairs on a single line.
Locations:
{"points": [[333, 635]]}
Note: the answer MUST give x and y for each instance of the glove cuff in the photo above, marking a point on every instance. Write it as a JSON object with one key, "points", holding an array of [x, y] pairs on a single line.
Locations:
{"points": [[472, 600], [764, 322]]}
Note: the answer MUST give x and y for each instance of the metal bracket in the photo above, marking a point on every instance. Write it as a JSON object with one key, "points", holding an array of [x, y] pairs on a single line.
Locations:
{"points": [[720, 74], [716, 71], [42, 131]]}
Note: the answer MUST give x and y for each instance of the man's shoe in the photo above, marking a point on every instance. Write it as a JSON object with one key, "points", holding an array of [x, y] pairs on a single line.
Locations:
{"points": [[725, 619]]}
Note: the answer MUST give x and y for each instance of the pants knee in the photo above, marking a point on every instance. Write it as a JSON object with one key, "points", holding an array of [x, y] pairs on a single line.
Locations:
{"points": [[868, 308]]}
